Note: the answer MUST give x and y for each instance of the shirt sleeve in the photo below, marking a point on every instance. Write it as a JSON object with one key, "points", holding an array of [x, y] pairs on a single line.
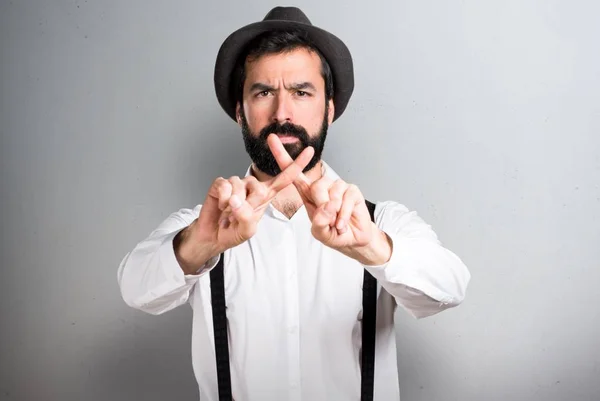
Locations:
{"points": [[150, 278], [424, 277]]}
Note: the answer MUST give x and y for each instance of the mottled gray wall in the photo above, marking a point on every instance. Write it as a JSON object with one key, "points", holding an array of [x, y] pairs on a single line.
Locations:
{"points": [[483, 116]]}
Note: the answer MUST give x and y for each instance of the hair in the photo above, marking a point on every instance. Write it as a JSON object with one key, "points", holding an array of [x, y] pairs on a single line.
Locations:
{"points": [[276, 42]]}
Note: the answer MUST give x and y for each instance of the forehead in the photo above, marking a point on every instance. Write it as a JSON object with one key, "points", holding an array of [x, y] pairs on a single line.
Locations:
{"points": [[300, 64]]}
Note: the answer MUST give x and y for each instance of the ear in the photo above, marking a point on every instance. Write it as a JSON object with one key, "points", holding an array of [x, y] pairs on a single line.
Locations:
{"points": [[238, 114], [331, 112]]}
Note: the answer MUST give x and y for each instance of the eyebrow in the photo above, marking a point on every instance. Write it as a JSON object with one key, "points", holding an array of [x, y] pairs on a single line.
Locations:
{"points": [[260, 87], [303, 85]]}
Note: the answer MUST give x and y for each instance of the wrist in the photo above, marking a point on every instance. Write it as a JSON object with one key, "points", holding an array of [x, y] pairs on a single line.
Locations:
{"points": [[191, 251], [375, 253]]}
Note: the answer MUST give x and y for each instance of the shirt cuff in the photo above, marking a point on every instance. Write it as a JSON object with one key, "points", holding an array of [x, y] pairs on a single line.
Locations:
{"points": [[172, 266], [208, 266], [407, 268]]}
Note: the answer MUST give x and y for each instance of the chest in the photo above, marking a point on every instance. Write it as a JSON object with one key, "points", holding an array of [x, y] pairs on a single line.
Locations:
{"points": [[283, 274]]}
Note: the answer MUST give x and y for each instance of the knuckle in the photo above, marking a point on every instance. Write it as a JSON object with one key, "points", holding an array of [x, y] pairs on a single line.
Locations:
{"points": [[320, 186], [338, 187], [326, 182], [218, 183], [222, 186], [354, 189]]}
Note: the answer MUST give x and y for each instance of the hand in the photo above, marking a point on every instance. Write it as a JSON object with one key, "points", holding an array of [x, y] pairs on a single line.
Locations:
{"points": [[231, 212], [340, 218]]}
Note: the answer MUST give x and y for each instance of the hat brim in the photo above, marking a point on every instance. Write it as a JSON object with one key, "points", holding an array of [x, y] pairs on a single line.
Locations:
{"points": [[333, 49]]}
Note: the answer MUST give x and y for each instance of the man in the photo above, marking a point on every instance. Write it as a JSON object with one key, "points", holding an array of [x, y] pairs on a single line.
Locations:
{"points": [[291, 239]]}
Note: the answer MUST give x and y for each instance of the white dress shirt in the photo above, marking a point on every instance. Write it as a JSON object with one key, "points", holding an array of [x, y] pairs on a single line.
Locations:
{"points": [[294, 305]]}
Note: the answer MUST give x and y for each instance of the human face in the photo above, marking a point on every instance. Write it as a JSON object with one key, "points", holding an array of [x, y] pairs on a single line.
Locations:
{"points": [[284, 94]]}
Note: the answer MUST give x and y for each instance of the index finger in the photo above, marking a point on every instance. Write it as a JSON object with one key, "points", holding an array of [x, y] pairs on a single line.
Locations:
{"points": [[283, 159], [292, 171]]}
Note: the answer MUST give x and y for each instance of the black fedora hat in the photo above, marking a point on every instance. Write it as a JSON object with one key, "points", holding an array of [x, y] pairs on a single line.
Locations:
{"points": [[280, 18]]}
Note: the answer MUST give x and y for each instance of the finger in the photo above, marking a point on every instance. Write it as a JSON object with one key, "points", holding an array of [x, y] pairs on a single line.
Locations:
{"points": [[223, 189], [244, 220], [292, 171], [280, 153], [319, 190], [350, 200], [336, 193], [321, 223], [284, 159], [239, 189], [233, 203], [257, 192]]}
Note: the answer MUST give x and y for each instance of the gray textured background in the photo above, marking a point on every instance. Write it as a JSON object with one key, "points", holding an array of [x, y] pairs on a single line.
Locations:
{"points": [[482, 116]]}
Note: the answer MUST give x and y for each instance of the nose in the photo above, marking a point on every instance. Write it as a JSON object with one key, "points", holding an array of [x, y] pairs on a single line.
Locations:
{"points": [[282, 112]]}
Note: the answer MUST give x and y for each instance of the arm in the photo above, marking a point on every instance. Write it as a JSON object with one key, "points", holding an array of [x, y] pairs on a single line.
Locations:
{"points": [[409, 262], [160, 272], [151, 278]]}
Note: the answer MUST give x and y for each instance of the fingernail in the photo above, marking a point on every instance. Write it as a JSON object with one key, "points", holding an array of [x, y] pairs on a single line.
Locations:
{"points": [[340, 225], [235, 202]]}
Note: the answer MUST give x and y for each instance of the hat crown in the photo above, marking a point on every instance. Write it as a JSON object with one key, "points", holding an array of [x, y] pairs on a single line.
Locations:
{"points": [[287, 14]]}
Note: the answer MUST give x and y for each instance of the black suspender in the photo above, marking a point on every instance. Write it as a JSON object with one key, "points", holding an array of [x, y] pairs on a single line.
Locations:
{"points": [[368, 329], [217, 288]]}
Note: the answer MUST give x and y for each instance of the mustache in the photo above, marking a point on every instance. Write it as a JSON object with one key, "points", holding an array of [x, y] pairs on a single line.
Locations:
{"points": [[285, 129]]}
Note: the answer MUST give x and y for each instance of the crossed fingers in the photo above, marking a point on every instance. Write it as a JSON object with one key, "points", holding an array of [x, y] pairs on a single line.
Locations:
{"points": [[336, 198], [235, 192]]}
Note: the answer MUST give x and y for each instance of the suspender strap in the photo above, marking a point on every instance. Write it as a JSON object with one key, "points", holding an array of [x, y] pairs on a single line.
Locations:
{"points": [[368, 329], [217, 288]]}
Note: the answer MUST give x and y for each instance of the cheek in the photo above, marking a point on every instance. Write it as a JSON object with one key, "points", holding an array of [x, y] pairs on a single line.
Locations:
{"points": [[311, 119], [257, 111], [256, 117]]}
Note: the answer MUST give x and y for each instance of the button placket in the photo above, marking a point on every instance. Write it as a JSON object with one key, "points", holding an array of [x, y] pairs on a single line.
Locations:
{"points": [[293, 320]]}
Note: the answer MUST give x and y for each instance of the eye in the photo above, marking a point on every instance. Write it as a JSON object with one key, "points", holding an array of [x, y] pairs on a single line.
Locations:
{"points": [[302, 93], [262, 94]]}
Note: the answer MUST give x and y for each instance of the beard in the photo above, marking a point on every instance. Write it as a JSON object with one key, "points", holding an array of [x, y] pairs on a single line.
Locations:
{"points": [[260, 154]]}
